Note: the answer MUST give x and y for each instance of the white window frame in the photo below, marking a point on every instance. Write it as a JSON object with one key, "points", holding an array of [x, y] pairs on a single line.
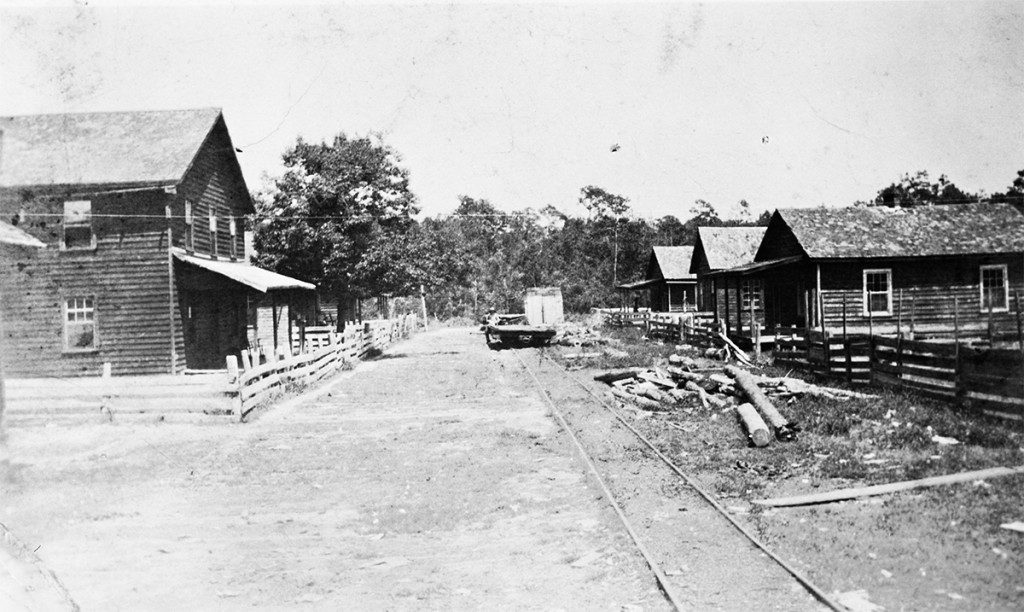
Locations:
{"points": [[87, 222], [1006, 287], [190, 234], [80, 310], [888, 292], [750, 286], [233, 233], [213, 233]]}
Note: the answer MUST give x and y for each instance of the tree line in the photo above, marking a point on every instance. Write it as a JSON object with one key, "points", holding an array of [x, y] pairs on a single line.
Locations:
{"points": [[342, 216]]}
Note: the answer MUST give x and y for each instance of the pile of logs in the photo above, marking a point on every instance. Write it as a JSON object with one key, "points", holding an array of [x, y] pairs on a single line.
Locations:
{"points": [[726, 388]]}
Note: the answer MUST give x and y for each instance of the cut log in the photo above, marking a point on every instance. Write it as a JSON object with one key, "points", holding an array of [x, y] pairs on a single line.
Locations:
{"points": [[679, 394], [648, 390], [642, 402], [754, 425], [614, 375], [844, 494], [783, 429], [681, 374]]}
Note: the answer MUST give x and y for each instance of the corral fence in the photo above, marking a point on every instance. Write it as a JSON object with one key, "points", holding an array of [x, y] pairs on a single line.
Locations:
{"points": [[321, 353], [983, 378], [204, 395]]}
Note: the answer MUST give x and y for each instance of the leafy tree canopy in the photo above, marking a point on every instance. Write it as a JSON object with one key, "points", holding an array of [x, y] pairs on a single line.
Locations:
{"points": [[334, 215], [919, 190]]}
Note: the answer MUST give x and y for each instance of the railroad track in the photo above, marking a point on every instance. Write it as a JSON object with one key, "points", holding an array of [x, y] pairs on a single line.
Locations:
{"points": [[701, 557]]}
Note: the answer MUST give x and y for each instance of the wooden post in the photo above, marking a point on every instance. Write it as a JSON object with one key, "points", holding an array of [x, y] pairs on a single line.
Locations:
{"points": [[170, 291], [846, 346], [913, 311], [821, 312], [423, 304], [899, 315], [727, 306], [871, 327], [246, 360], [233, 377], [958, 390], [990, 323], [807, 309]]}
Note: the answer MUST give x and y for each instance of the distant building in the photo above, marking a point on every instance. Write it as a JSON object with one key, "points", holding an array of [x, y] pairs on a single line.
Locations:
{"points": [[142, 215], [722, 248], [668, 279]]}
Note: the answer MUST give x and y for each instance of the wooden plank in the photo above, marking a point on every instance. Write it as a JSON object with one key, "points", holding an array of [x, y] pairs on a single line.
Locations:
{"points": [[257, 387], [884, 489], [1005, 386]]}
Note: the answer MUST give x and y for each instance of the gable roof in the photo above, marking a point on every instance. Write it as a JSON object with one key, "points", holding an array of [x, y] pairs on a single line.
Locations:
{"points": [[673, 261], [877, 231], [729, 247], [118, 148]]}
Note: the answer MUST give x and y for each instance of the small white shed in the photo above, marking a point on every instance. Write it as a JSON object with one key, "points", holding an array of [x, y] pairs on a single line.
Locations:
{"points": [[544, 305]]}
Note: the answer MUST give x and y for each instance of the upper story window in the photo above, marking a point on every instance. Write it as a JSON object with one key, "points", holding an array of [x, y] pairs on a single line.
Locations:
{"points": [[233, 232], [80, 323], [995, 288], [190, 234], [78, 232], [213, 233], [877, 292]]}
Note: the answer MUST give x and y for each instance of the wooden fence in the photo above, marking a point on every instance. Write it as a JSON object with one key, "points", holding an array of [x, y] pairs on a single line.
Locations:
{"points": [[253, 384], [986, 379], [660, 320]]}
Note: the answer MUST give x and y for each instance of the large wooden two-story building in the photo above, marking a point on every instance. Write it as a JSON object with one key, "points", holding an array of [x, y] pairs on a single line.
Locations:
{"points": [[142, 214]]}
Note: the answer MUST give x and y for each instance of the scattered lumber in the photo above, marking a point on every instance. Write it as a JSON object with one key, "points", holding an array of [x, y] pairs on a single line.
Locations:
{"points": [[783, 429], [795, 387], [754, 425], [844, 494], [705, 397], [736, 351], [642, 402], [614, 375]]}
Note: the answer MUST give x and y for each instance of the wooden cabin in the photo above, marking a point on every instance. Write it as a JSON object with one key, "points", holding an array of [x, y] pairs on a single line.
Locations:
{"points": [[145, 268], [930, 270], [668, 279], [723, 248]]}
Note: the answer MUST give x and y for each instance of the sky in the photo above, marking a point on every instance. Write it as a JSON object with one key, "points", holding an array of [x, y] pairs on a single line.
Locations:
{"points": [[780, 104]]}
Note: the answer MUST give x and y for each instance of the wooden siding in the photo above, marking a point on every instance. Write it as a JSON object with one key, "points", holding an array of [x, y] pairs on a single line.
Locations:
{"points": [[128, 277], [927, 287], [214, 182]]}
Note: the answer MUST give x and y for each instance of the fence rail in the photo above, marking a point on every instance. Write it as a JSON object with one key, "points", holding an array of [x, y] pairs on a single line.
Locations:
{"points": [[986, 379], [327, 351]]}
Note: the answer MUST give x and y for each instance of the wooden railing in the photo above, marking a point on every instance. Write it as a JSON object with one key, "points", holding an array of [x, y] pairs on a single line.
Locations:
{"points": [[986, 379], [252, 384]]}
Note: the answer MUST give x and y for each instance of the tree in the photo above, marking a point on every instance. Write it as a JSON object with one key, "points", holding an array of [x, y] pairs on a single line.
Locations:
{"points": [[1014, 194], [329, 218], [606, 209], [918, 190]]}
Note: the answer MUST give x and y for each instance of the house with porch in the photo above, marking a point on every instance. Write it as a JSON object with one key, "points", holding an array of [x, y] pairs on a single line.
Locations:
{"points": [[722, 248], [884, 270], [142, 215], [668, 279]]}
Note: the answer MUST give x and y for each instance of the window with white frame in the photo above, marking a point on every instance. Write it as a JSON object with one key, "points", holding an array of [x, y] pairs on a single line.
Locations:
{"points": [[78, 232], [190, 234], [751, 289], [233, 233], [995, 289], [878, 292], [80, 323], [213, 233]]}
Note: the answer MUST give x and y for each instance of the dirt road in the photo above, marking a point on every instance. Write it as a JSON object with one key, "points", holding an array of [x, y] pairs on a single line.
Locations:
{"points": [[430, 478]]}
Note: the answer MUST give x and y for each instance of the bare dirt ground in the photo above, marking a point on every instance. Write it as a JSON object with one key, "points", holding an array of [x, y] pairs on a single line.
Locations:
{"points": [[431, 478]]}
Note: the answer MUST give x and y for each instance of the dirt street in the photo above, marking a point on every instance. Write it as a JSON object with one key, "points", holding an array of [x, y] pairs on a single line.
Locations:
{"points": [[430, 478]]}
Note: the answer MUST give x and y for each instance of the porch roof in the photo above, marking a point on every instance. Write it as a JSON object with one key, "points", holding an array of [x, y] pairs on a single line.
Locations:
{"points": [[17, 236], [758, 266], [251, 276]]}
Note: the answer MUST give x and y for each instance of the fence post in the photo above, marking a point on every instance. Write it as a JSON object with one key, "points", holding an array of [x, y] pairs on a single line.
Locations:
{"points": [[913, 312], [958, 390], [246, 364], [234, 385], [899, 360], [899, 314]]}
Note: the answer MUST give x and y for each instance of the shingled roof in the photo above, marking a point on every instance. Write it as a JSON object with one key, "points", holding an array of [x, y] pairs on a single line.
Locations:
{"points": [[120, 148], [728, 247], [876, 231], [673, 261]]}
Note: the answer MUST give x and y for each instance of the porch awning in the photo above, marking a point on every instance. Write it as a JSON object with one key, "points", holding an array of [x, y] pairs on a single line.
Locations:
{"points": [[758, 266], [639, 284], [251, 276], [17, 236]]}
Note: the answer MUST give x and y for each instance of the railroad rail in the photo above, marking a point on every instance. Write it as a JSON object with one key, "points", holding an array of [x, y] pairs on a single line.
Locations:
{"points": [[678, 587]]}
